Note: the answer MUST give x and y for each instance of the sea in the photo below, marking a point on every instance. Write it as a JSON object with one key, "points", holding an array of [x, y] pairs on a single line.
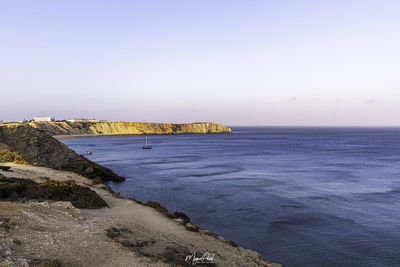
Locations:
{"points": [[300, 196]]}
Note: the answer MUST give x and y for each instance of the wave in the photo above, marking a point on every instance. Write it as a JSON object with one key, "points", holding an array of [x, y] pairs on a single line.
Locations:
{"points": [[213, 166], [232, 179], [385, 196], [215, 173], [170, 160], [311, 219], [295, 206], [327, 197], [108, 161]]}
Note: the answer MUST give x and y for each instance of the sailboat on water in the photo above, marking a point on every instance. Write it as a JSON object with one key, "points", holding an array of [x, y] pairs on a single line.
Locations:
{"points": [[87, 152], [146, 146]]}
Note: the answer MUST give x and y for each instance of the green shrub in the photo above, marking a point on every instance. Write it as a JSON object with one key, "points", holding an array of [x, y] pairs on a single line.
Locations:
{"points": [[13, 189], [8, 156], [5, 168], [17, 242], [47, 263], [97, 180], [182, 216], [158, 207]]}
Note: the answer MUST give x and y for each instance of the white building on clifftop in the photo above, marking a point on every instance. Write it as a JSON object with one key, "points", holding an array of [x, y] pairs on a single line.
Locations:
{"points": [[43, 119], [81, 120]]}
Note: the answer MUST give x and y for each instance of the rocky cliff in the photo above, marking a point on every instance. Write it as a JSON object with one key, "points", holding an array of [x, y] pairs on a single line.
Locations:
{"points": [[129, 128], [39, 148]]}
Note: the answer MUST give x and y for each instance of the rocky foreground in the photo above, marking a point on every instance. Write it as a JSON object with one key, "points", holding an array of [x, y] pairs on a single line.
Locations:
{"points": [[119, 232]]}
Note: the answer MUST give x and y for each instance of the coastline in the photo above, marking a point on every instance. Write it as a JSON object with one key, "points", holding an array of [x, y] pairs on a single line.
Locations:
{"points": [[127, 128], [125, 233], [67, 136]]}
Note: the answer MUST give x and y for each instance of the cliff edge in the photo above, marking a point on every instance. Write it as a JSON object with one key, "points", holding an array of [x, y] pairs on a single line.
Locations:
{"points": [[128, 128], [39, 148]]}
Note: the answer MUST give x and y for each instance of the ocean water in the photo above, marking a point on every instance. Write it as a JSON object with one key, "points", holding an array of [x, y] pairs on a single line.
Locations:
{"points": [[298, 196]]}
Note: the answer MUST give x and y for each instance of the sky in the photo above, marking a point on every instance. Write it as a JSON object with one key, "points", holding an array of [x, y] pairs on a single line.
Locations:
{"points": [[248, 62]]}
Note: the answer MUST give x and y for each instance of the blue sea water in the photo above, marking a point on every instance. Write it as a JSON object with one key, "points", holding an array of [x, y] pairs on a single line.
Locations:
{"points": [[299, 196]]}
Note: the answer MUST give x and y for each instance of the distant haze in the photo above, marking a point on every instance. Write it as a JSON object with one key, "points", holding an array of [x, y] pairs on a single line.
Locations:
{"points": [[249, 62]]}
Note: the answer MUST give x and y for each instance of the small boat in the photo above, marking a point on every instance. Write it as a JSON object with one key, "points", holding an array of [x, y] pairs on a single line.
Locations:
{"points": [[146, 146], [87, 152]]}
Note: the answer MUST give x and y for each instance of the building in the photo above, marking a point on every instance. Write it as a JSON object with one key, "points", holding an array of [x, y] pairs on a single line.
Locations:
{"points": [[43, 119], [82, 120]]}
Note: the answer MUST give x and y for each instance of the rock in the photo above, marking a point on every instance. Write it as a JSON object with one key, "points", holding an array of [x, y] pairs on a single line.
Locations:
{"points": [[191, 227], [39, 148]]}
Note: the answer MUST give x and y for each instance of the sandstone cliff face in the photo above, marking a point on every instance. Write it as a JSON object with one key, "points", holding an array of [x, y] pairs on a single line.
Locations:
{"points": [[39, 148], [132, 128]]}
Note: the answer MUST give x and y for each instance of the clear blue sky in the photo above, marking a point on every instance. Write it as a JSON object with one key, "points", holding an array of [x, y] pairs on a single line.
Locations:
{"points": [[243, 62]]}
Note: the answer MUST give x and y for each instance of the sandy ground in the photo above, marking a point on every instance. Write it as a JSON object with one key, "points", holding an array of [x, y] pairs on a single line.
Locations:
{"points": [[77, 237]]}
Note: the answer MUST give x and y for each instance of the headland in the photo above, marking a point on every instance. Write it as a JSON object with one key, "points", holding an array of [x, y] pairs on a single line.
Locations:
{"points": [[60, 128]]}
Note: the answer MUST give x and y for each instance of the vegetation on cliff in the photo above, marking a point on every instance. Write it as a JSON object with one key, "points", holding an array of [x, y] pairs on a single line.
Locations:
{"points": [[14, 157], [13, 189]]}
